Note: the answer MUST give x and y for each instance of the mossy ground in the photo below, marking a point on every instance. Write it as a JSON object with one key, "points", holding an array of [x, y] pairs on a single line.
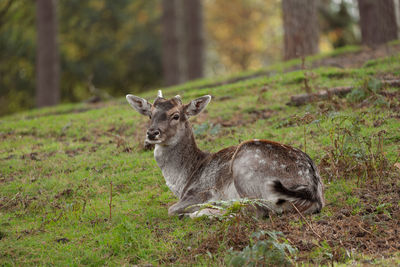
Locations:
{"points": [[57, 165]]}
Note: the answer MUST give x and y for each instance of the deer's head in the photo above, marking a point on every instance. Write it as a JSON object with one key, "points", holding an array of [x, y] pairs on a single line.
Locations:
{"points": [[168, 117]]}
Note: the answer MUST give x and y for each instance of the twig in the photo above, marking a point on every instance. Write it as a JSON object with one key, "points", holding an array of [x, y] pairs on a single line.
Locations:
{"points": [[306, 75], [84, 206], [272, 221], [8, 202], [305, 138], [110, 203], [304, 218], [374, 235]]}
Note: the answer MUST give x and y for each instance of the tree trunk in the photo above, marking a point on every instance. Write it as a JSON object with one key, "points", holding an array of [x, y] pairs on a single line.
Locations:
{"points": [[47, 62], [182, 40], [193, 28], [300, 24], [397, 12], [377, 21], [170, 53]]}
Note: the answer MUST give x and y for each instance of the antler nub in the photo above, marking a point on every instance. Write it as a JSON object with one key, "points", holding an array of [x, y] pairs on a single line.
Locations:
{"points": [[178, 97]]}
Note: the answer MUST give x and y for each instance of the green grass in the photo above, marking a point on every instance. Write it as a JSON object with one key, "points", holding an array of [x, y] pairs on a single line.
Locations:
{"points": [[57, 165]]}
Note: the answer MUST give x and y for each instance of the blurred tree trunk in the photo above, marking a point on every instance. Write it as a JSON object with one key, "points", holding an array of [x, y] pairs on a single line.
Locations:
{"points": [[300, 24], [182, 40], [377, 21], [170, 53], [194, 46], [47, 61]]}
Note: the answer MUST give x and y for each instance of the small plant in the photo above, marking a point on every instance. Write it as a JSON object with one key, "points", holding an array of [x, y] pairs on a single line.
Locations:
{"points": [[308, 75], [368, 89], [352, 154], [322, 253], [385, 209], [268, 248], [305, 120]]}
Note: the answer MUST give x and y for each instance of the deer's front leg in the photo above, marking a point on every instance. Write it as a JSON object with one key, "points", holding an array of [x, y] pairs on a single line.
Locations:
{"points": [[182, 207], [186, 204]]}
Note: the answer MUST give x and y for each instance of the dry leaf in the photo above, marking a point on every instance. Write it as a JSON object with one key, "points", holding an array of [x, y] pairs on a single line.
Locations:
{"points": [[397, 165]]}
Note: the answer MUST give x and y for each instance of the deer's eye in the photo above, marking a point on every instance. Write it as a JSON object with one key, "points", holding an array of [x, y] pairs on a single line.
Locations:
{"points": [[175, 117]]}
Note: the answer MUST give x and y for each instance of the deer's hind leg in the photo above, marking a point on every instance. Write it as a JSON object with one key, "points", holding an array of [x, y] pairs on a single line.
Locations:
{"points": [[252, 180]]}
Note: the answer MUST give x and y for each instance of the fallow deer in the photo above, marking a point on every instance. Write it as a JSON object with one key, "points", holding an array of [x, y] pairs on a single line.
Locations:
{"points": [[254, 169]]}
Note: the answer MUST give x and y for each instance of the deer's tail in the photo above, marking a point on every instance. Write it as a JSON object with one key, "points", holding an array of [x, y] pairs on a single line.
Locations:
{"points": [[306, 199]]}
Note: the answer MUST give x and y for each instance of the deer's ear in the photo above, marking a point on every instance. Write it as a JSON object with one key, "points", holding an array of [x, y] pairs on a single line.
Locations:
{"points": [[140, 104], [196, 106]]}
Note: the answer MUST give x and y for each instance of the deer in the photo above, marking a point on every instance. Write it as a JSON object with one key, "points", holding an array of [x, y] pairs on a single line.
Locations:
{"points": [[255, 169]]}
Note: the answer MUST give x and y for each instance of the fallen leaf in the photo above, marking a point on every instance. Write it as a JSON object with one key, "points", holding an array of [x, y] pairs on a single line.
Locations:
{"points": [[397, 165]]}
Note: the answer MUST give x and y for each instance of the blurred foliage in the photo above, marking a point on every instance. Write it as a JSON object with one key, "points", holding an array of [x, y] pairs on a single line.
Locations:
{"points": [[244, 34], [18, 49], [113, 46], [339, 22], [248, 34]]}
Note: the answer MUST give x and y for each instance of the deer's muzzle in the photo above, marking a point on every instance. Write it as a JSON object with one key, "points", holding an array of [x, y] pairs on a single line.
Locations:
{"points": [[153, 134]]}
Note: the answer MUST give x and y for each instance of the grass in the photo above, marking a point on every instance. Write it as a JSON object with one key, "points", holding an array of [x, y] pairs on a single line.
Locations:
{"points": [[57, 165]]}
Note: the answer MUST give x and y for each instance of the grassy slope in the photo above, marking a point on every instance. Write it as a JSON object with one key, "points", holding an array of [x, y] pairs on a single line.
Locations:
{"points": [[57, 164]]}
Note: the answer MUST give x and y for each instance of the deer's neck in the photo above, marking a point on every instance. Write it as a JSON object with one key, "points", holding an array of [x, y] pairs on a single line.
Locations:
{"points": [[177, 162]]}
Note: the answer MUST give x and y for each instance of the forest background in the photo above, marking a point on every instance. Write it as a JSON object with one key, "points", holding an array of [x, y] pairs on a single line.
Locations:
{"points": [[109, 48]]}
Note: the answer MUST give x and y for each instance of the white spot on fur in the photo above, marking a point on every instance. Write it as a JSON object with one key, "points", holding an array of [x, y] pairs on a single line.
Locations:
{"points": [[301, 187], [300, 173], [157, 151], [262, 162], [283, 166]]}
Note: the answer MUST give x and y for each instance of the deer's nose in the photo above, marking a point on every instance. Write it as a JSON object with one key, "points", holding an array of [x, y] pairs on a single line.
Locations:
{"points": [[152, 134]]}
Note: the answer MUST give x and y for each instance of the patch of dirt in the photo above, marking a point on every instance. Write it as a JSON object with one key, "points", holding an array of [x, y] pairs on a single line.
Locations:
{"points": [[62, 240], [374, 230], [31, 156], [6, 179], [65, 193], [73, 152], [4, 135], [18, 201]]}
